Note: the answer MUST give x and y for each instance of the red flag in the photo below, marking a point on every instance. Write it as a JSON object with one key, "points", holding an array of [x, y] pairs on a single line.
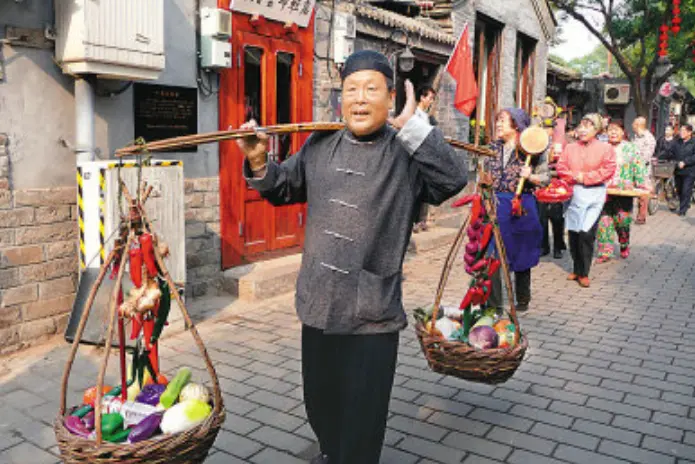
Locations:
{"points": [[460, 68]]}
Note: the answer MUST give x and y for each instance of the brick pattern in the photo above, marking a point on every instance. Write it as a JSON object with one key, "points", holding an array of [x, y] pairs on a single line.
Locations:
{"points": [[38, 260], [203, 252]]}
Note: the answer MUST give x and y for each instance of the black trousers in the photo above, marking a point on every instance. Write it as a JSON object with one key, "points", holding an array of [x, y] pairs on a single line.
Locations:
{"points": [[684, 185], [522, 289], [552, 212], [347, 388], [582, 250]]}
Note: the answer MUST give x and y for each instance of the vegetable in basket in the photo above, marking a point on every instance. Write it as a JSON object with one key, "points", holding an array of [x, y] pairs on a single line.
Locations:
{"points": [[150, 394], [483, 337], [173, 390], [145, 428], [75, 426], [194, 391], [184, 415]]}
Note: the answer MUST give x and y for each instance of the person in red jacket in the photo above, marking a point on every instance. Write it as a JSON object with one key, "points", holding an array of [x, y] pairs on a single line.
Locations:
{"points": [[588, 165]]}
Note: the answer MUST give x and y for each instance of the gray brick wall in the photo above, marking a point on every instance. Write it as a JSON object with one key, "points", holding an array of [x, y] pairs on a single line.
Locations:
{"points": [[516, 17]]}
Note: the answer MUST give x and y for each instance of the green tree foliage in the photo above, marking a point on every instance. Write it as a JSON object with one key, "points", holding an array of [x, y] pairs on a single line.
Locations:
{"points": [[596, 63], [629, 29]]}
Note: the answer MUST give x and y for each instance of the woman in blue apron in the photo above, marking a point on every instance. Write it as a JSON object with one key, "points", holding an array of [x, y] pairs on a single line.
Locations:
{"points": [[522, 235]]}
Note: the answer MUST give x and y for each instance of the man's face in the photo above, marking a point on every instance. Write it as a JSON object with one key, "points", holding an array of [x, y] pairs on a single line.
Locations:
{"points": [[504, 128], [366, 102], [606, 120], [586, 131], [669, 132], [685, 133], [427, 100], [615, 134]]}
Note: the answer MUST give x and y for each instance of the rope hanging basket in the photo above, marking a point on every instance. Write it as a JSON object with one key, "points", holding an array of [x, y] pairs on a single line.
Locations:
{"points": [[458, 358], [189, 446]]}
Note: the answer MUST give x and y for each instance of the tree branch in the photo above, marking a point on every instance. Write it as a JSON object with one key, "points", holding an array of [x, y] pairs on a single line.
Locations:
{"points": [[570, 10]]}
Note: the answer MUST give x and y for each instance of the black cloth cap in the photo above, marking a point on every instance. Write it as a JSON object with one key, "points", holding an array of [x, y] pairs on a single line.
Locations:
{"points": [[365, 60]]}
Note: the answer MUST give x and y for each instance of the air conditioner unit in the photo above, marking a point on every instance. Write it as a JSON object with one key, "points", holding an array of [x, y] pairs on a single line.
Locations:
{"points": [[215, 22], [616, 94], [345, 25]]}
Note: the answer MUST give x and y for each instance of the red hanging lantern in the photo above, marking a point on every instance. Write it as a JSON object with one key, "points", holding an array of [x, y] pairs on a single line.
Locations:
{"points": [[675, 29], [663, 28]]}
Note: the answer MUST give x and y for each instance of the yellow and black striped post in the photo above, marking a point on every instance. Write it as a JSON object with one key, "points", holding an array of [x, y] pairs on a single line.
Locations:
{"points": [[80, 216]]}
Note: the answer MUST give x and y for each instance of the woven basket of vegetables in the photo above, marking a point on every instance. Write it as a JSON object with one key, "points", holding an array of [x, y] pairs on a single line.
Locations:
{"points": [[140, 421], [474, 341]]}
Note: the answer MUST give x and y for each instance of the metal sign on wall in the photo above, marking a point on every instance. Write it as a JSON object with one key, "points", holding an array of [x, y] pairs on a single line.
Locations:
{"points": [[163, 111], [285, 11]]}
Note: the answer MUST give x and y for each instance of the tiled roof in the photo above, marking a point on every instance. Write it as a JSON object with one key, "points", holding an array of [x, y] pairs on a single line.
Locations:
{"points": [[563, 72], [411, 25]]}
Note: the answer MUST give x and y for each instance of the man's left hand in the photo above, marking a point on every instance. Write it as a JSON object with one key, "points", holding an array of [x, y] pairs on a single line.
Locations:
{"points": [[525, 172], [681, 165], [408, 109]]}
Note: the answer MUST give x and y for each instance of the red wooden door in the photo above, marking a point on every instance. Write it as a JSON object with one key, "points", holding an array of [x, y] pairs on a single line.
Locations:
{"points": [[264, 86]]}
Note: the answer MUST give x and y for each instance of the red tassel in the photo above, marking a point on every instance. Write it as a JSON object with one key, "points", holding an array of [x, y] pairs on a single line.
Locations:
{"points": [[517, 209]]}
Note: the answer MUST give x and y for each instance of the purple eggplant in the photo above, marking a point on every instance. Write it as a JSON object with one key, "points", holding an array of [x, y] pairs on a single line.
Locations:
{"points": [[150, 394], [469, 259], [145, 428], [88, 420], [75, 426], [472, 248]]}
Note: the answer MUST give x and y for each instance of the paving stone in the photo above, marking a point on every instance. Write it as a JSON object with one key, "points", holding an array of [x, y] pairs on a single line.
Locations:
{"points": [[671, 448], [280, 440], [633, 453], [236, 444], [648, 428], [415, 427], [25, 453], [536, 414], [393, 456], [484, 401], [606, 431], [580, 411], [270, 456], [430, 388], [523, 398], [565, 436], [440, 404], [268, 383], [432, 450], [619, 408], [674, 421], [494, 418], [630, 388], [460, 424], [521, 440], [276, 418], [582, 456], [410, 410], [282, 403], [526, 457], [239, 425], [8, 439], [476, 445], [474, 459], [220, 457]]}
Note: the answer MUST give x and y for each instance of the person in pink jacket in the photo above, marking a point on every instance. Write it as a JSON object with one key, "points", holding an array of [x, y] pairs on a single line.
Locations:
{"points": [[588, 165]]}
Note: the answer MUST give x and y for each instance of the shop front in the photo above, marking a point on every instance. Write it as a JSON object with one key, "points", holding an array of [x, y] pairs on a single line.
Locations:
{"points": [[271, 81]]}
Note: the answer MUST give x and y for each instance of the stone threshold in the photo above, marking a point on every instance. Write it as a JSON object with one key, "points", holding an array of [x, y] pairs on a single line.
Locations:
{"points": [[268, 279]]}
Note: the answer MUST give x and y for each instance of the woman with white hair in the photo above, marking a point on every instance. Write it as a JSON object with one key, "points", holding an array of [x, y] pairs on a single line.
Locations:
{"points": [[588, 165]]}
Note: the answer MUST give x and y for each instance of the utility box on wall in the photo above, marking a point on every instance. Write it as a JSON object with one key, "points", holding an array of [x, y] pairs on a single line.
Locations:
{"points": [[120, 39]]}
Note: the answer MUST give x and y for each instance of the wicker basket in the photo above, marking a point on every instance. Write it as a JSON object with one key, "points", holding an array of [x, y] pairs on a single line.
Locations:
{"points": [[190, 446], [459, 359]]}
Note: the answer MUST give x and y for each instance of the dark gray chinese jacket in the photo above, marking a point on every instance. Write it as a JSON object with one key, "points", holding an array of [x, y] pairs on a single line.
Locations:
{"points": [[361, 197]]}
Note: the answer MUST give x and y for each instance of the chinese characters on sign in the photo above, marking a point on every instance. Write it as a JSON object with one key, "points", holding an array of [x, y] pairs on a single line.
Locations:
{"points": [[285, 11], [163, 111]]}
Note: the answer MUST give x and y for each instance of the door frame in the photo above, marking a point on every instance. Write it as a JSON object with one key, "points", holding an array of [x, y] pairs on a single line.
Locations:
{"points": [[273, 37]]}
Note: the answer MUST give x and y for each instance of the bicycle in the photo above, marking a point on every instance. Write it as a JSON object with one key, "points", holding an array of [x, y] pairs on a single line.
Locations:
{"points": [[664, 186]]}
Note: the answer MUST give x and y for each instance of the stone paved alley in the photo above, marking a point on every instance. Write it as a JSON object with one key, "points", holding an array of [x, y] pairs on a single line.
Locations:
{"points": [[609, 376]]}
